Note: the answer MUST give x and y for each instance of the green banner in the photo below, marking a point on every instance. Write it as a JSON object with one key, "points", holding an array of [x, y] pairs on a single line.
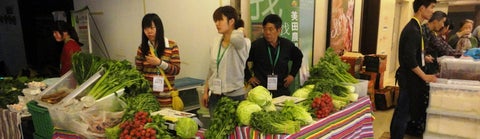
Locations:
{"points": [[288, 10]]}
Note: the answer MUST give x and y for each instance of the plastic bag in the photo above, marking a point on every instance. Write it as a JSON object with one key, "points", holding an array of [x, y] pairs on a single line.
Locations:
{"points": [[474, 53]]}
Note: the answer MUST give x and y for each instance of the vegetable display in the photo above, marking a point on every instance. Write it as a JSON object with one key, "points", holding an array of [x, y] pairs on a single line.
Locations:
{"points": [[10, 89], [245, 110], [273, 122], [322, 106], [144, 126], [186, 128], [260, 95], [118, 75], [296, 112], [142, 102], [224, 121], [84, 65]]}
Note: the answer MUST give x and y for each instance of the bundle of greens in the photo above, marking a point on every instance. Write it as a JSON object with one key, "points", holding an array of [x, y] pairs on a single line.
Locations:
{"points": [[142, 102], [296, 112], [273, 122], [84, 65], [330, 67], [330, 75], [118, 75], [224, 120]]}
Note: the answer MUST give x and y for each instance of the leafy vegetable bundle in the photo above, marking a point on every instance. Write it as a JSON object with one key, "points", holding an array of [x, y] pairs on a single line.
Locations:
{"points": [[118, 75], [224, 121], [273, 122], [142, 102], [84, 65]]}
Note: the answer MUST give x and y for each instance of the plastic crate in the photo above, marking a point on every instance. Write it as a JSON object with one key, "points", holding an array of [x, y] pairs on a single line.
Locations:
{"points": [[361, 88], [42, 122], [455, 96], [452, 124], [459, 68]]}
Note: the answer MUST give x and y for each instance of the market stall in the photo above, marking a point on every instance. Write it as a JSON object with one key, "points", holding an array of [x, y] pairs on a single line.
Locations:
{"points": [[355, 120]]}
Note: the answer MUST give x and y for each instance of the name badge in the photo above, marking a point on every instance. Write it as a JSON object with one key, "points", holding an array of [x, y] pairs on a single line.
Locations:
{"points": [[158, 83], [272, 82], [217, 86]]}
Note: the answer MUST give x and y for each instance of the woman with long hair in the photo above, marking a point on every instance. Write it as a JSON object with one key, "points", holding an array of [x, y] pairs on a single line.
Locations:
{"points": [[157, 53]]}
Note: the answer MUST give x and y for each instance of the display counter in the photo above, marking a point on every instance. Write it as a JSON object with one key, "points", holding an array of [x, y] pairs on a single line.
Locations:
{"points": [[355, 121]]}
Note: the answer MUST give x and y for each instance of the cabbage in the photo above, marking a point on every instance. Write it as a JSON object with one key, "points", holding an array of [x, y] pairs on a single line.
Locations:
{"points": [[270, 107], [186, 127], [245, 110], [302, 92], [297, 113], [260, 95]]}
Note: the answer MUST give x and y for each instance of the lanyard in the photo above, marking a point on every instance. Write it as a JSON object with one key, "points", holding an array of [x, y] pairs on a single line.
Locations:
{"points": [[220, 57], [273, 63], [421, 32]]}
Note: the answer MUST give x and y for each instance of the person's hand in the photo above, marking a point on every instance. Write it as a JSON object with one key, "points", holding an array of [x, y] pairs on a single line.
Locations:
{"points": [[205, 97], [464, 32], [254, 81], [151, 60], [429, 59], [430, 78], [288, 80]]}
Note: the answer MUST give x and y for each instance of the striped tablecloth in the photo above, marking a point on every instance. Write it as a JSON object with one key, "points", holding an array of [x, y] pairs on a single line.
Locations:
{"points": [[355, 121]]}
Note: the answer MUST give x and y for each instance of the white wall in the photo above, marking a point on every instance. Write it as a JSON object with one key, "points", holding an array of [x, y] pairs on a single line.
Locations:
{"points": [[320, 29], [188, 22], [12, 49]]}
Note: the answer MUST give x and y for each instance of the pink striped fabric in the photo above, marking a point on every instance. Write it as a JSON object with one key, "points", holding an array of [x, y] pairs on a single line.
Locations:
{"points": [[10, 123]]}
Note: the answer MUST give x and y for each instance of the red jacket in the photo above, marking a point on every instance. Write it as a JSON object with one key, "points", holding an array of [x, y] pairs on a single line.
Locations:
{"points": [[68, 50]]}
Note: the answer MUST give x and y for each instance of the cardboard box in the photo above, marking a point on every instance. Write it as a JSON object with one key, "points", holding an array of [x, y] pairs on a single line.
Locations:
{"points": [[383, 99]]}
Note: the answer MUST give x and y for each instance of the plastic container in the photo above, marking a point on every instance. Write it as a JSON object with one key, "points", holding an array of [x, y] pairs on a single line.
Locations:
{"points": [[452, 124], [66, 83], [361, 88], [42, 122], [69, 84], [454, 96], [453, 68]]}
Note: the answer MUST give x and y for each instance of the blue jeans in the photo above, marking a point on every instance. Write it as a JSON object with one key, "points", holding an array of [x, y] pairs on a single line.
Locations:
{"points": [[214, 98]]}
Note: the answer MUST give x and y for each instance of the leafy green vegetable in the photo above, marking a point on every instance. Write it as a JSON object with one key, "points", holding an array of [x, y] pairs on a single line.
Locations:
{"points": [[273, 122], [224, 121], [186, 128], [158, 123], [260, 95], [118, 75], [11, 88], [245, 110], [142, 102], [113, 132], [296, 113], [304, 91], [84, 65]]}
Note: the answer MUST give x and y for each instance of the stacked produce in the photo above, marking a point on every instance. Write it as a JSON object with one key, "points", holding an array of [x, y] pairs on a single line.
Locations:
{"points": [[259, 112], [330, 75], [142, 126]]}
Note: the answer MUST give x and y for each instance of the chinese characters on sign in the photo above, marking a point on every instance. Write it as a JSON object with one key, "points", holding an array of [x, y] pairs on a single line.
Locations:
{"points": [[287, 9]]}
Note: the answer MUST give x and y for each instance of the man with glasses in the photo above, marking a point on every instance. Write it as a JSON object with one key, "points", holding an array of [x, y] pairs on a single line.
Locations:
{"points": [[270, 56]]}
